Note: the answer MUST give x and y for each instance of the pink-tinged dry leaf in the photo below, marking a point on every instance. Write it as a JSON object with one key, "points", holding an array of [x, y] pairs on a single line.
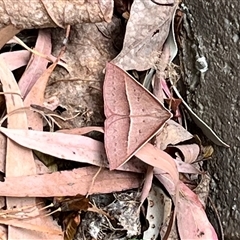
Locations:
{"points": [[147, 184], [81, 131], [160, 74], [67, 146], [3, 232], [24, 163], [163, 165], [45, 14], [133, 116], [70, 183], [7, 32], [33, 227], [134, 165], [16, 59], [3, 145], [36, 96], [190, 152], [172, 133], [37, 65], [184, 167], [147, 29], [191, 218]]}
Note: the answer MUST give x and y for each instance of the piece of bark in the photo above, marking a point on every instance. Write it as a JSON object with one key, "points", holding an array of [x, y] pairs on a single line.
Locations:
{"points": [[70, 183], [80, 89], [25, 14]]}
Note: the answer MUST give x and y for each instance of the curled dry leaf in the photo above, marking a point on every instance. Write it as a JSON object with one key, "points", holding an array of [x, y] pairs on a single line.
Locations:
{"points": [[190, 152], [44, 14], [196, 225], [172, 133], [146, 32], [184, 167], [70, 183], [133, 116]]}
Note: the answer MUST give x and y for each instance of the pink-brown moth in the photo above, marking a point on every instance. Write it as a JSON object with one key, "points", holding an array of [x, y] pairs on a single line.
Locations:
{"points": [[133, 115]]}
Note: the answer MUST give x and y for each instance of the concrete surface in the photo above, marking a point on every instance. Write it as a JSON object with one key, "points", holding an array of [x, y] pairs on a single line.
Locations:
{"points": [[216, 99]]}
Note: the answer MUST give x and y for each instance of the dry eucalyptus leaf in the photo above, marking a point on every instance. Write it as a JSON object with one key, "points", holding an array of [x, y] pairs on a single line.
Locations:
{"points": [[27, 14], [185, 167], [38, 229], [196, 224], [147, 30], [66, 146], [3, 232], [24, 163], [3, 144], [16, 59], [36, 65], [36, 96], [70, 183]]}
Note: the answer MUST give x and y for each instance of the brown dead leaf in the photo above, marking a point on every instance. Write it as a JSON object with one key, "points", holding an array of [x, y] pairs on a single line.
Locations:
{"points": [[70, 183], [7, 32], [76, 203], [71, 223], [146, 32]]}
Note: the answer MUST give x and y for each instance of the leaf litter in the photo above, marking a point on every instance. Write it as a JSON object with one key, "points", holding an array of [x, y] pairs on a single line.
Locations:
{"points": [[165, 152]]}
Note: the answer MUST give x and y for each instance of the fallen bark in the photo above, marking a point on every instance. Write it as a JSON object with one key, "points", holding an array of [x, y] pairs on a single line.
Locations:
{"points": [[25, 14]]}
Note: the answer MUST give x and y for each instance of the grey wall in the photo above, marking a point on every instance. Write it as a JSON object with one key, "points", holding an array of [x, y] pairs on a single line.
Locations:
{"points": [[217, 99]]}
